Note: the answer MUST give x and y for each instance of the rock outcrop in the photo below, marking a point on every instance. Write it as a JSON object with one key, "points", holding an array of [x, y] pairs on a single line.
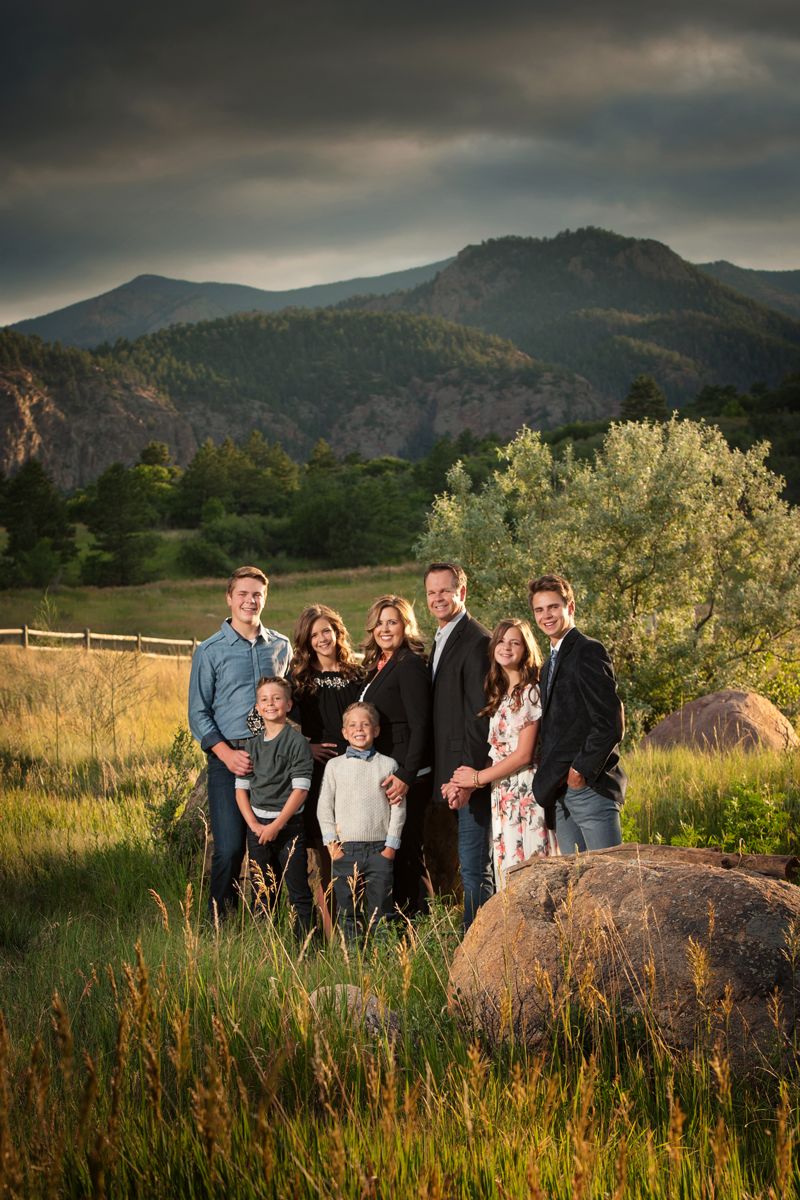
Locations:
{"points": [[78, 432], [362, 1010], [695, 951], [724, 721]]}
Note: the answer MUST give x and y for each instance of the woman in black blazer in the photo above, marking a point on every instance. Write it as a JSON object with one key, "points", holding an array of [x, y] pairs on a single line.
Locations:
{"points": [[398, 684]]}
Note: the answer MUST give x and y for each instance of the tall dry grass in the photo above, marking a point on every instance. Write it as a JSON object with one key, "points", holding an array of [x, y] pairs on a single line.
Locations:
{"points": [[65, 706], [145, 1053]]}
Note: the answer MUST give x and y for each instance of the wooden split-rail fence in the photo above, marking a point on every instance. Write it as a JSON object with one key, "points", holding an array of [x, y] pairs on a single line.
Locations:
{"points": [[53, 639]]}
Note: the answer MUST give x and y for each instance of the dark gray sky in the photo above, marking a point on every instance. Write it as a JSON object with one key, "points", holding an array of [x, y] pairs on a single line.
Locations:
{"points": [[284, 145]]}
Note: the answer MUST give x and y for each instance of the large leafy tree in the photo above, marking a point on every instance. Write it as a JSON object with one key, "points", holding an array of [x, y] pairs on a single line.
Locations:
{"points": [[684, 558]]}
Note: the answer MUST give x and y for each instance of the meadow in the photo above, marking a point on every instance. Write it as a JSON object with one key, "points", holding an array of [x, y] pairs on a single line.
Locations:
{"points": [[146, 1053], [182, 608]]}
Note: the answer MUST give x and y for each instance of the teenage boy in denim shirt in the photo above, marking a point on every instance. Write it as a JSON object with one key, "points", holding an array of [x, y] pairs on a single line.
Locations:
{"points": [[222, 689]]}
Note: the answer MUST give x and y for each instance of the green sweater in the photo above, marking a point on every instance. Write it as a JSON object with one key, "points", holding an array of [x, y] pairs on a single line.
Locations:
{"points": [[280, 764]]}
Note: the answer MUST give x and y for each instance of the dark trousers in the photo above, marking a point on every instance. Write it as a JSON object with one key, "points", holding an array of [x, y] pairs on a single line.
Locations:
{"points": [[362, 864], [282, 861], [228, 830], [409, 892]]}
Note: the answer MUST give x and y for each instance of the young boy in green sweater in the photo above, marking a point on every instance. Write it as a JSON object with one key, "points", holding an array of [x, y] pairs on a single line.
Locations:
{"points": [[271, 801], [359, 826]]}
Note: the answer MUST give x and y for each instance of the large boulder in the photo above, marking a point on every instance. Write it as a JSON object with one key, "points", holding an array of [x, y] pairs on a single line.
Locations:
{"points": [[696, 950], [724, 720]]}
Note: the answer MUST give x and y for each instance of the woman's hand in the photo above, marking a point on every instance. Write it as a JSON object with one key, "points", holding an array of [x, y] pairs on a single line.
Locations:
{"points": [[395, 789], [322, 751], [464, 777]]}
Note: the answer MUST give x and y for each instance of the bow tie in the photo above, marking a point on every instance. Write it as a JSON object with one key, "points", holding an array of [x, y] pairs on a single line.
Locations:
{"points": [[364, 755]]}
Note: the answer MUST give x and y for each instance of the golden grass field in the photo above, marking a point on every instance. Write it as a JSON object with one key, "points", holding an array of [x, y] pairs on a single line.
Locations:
{"points": [[144, 1053]]}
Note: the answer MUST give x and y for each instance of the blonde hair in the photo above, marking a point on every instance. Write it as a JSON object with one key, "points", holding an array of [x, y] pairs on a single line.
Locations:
{"points": [[368, 708], [411, 634]]}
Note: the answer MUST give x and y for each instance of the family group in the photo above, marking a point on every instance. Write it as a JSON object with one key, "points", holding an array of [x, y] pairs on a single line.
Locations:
{"points": [[400, 768]]}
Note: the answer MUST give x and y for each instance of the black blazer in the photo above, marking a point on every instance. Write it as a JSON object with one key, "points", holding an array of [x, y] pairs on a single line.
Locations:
{"points": [[460, 736], [582, 723], [401, 692]]}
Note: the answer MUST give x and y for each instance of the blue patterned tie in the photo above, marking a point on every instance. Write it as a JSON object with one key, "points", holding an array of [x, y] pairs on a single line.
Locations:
{"points": [[551, 670]]}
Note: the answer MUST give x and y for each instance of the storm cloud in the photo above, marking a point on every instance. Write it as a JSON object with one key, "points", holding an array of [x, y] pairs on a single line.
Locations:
{"points": [[283, 146]]}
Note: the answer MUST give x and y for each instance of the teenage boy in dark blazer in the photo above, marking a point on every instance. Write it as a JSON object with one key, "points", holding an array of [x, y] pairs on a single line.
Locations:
{"points": [[578, 775], [459, 662]]}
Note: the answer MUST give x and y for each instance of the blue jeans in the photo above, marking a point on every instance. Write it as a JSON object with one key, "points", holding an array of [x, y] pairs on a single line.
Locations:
{"points": [[585, 820], [228, 831], [475, 853]]}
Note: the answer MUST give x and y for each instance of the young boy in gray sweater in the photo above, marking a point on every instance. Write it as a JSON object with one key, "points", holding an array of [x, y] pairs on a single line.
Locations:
{"points": [[359, 826], [271, 799]]}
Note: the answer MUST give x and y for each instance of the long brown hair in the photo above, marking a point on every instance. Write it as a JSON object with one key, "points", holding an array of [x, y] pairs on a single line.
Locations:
{"points": [[411, 635], [304, 660], [496, 682]]}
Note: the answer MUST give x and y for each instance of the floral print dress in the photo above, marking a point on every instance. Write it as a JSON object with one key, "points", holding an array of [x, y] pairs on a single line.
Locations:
{"points": [[518, 823]]}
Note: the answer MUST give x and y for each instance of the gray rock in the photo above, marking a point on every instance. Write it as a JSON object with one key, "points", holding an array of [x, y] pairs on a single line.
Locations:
{"points": [[347, 999], [724, 721], [697, 951]]}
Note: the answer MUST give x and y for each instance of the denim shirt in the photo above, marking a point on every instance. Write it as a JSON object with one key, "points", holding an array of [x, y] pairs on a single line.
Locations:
{"points": [[222, 688]]}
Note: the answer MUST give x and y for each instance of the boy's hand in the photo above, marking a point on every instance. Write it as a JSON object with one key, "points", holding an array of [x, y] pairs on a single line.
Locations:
{"points": [[388, 852], [267, 833], [335, 850]]}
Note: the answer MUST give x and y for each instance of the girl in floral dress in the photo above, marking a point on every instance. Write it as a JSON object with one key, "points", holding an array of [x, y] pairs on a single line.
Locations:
{"points": [[512, 692]]}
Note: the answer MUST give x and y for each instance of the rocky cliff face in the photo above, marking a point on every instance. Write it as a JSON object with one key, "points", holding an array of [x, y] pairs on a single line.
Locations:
{"points": [[77, 431], [408, 422]]}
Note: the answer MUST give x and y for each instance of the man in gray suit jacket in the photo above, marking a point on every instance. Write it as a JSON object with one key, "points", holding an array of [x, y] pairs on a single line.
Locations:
{"points": [[578, 780], [459, 663]]}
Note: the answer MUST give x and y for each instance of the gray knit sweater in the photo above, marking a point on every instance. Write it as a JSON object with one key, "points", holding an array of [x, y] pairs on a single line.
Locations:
{"points": [[353, 806]]}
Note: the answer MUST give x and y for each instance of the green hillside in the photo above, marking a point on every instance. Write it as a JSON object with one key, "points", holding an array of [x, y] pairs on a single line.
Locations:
{"points": [[315, 359], [776, 289], [609, 307], [369, 383], [151, 302]]}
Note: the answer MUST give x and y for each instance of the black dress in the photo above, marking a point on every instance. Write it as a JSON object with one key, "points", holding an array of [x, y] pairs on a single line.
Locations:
{"points": [[319, 710]]}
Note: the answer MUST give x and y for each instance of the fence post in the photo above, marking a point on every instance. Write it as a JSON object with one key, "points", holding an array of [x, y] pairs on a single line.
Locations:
{"points": [[87, 639], [139, 642], [194, 644], [24, 637]]}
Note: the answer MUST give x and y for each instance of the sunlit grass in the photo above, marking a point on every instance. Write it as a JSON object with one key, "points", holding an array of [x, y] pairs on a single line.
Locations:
{"points": [[144, 1052]]}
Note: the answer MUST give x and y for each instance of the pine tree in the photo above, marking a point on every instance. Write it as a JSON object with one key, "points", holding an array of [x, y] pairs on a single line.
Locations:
{"points": [[644, 402]]}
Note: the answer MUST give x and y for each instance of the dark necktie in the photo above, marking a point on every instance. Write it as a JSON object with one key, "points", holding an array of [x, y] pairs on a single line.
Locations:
{"points": [[551, 670]]}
